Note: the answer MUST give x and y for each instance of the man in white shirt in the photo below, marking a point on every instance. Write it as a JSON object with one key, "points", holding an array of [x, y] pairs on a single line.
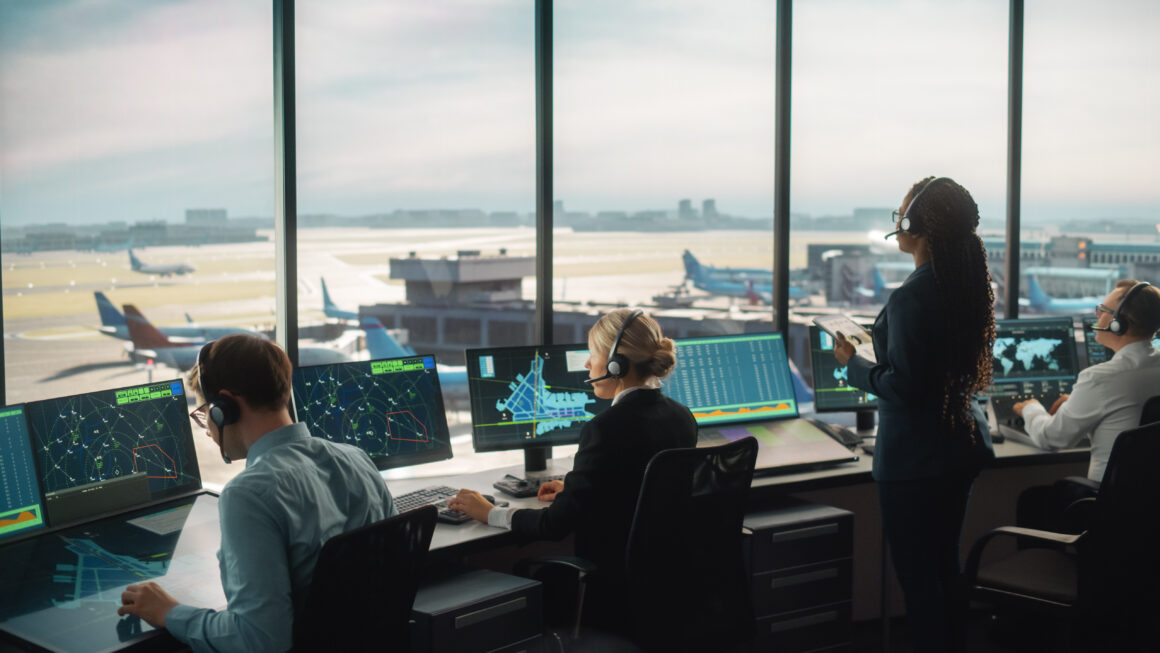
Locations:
{"points": [[1107, 399]]}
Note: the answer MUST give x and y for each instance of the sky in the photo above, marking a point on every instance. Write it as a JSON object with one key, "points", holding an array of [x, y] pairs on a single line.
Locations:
{"points": [[122, 110]]}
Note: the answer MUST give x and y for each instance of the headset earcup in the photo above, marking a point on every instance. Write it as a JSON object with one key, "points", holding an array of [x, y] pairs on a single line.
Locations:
{"points": [[223, 411], [615, 368], [904, 224], [1114, 327]]}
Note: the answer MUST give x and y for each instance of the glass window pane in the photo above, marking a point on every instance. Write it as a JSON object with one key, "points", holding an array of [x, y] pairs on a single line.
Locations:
{"points": [[885, 94], [664, 164], [143, 126], [416, 181], [1091, 152]]}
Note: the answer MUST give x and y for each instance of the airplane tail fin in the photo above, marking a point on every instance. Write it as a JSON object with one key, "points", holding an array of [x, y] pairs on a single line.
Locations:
{"points": [[692, 266], [134, 262], [879, 282], [380, 343], [751, 294], [327, 302], [1039, 299], [143, 334], [110, 316], [189, 319]]}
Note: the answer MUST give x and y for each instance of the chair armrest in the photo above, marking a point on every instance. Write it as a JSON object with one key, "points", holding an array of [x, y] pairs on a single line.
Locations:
{"points": [[972, 570], [582, 566], [1082, 481]]}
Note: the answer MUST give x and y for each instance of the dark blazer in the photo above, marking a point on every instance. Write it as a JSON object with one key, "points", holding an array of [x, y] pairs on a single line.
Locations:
{"points": [[599, 495], [909, 381]]}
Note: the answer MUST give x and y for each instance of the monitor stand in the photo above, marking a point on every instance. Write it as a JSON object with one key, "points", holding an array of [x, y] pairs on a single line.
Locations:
{"points": [[864, 421], [535, 473]]}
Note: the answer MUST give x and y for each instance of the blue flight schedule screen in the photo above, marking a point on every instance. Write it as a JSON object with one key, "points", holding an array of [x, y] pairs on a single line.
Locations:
{"points": [[20, 506], [735, 378]]}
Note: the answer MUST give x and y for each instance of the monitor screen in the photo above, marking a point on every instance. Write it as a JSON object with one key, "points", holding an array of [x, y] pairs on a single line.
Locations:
{"points": [[832, 391], [21, 510], [110, 449], [1034, 350], [392, 409], [733, 378], [529, 396], [1097, 353]]}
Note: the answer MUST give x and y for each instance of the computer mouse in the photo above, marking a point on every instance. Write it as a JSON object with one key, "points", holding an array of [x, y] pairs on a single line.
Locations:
{"points": [[489, 498]]}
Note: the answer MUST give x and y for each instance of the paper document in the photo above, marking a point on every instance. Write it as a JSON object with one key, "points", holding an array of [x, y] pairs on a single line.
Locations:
{"points": [[850, 330]]}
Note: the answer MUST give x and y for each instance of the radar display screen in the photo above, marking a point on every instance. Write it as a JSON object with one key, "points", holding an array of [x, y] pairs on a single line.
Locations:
{"points": [[832, 389], [529, 396], [392, 409], [111, 435], [734, 378], [1032, 350]]}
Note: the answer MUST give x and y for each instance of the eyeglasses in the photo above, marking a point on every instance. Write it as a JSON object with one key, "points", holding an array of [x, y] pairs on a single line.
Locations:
{"points": [[1100, 308], [198, 415], [894, 215]]}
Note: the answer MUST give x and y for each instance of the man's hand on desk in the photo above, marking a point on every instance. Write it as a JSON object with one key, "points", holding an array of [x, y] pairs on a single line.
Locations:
{"points": [[148, 601], [549, 490], [1058, 402], [1020, 405], [472, 503]]}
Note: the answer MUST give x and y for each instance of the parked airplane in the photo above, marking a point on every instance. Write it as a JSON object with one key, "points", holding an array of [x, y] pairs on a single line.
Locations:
{"points": [[381, 344], [149, 342], [882, 288], [1040, 302], [163, 270], [735, 282], [331, 310], [113, 324]]}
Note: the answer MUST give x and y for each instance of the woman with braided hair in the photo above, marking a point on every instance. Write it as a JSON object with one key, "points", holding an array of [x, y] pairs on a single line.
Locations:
{"points": [[933, 347]]}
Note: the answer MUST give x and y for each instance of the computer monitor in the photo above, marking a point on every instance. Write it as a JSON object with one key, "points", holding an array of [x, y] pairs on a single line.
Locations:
{"points": [[108, 450], [1097, 353], [832, 390], [1034, 350], [733, 378], [529, 398], [21, 508], [391, 408]]}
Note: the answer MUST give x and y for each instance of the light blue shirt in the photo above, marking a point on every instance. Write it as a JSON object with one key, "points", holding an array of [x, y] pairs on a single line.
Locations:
{"points": [[296, 492]]}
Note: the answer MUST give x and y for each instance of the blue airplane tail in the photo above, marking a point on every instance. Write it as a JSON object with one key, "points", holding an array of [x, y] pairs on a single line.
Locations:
{"points": [[110, 316], [879, 282], [380, 343], [327, 303], [134, 262], [1039, 299], [693, 269]]}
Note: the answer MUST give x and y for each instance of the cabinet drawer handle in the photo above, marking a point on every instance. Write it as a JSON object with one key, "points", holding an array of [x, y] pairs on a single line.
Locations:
{"points": [[802, 533], [808, 577], [472, 618], [802, 622]]}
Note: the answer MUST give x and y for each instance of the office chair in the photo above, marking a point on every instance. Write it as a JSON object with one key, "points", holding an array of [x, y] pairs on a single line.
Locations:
{"points": [[685, 586], [364, 584], [1106, 575], [1151, 412]]}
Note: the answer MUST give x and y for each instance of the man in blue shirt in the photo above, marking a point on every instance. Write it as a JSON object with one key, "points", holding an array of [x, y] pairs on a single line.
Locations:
{"points": [[296, 492]]}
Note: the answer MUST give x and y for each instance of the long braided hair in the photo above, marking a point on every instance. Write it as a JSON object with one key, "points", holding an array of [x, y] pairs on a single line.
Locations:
{"points": [[945, 214]]}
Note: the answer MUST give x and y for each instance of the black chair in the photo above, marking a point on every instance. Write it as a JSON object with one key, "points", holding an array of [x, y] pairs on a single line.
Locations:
{"points": [[1081, 486], [685, 587], [364, 584], [1106, 575], [1151, 412]]}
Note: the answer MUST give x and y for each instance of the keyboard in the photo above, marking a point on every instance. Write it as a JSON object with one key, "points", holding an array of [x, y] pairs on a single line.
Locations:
{"points": [[522, 487], [1004, 407], [839, 433], [436, 495]]}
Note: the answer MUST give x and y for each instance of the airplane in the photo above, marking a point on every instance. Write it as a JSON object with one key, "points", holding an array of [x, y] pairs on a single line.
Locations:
{"points": [[381, 344], [883, 288], [113, 324], [331, 310], [148, 342], [1040, 302], [749, 283], [163, 270]]}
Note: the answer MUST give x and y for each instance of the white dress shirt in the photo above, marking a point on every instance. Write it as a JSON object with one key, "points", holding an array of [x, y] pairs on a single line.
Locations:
{"points": [[1105, 401]]}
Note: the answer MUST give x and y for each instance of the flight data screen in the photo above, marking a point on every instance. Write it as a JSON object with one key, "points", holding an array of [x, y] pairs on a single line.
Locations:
{"points": [[20, 506], [1034, 350], [392, 409], [734, 378], [110, 435], [832, 389], [529, 396]]}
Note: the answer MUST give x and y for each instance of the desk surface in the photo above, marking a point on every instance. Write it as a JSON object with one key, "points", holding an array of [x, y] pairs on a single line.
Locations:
{"points": [[469, 537]]}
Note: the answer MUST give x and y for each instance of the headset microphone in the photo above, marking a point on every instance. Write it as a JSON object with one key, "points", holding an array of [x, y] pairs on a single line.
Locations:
{"points": [[599, 378], [892, 233]]}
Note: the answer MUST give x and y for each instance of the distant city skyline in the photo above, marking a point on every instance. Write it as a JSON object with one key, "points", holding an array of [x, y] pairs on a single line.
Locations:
{"points": [[122, 111]]}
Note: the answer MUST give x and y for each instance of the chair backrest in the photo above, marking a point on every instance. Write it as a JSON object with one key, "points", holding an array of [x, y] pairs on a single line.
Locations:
{"points": [[364, 585], [1118, 562], [685, 564], [1151, 412]]}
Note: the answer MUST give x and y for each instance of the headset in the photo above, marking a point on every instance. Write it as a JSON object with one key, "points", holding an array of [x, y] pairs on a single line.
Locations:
{"points": [[618, 364], [1119, 324], [222, 410], [904, 222]]}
